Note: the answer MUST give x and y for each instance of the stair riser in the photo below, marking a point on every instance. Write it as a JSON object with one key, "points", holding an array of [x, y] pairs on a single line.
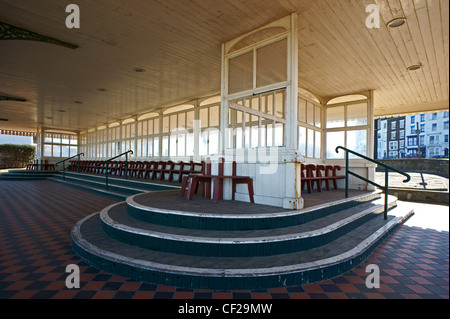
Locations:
{"points": [[211, 222], [102, 185], [224, 282], [96, 190], [238, 248], [119, 182]]}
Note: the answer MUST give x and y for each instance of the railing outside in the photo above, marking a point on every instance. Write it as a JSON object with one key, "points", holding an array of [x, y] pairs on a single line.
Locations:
{"points": [[115, 168], [64, 164], [386, 178]]}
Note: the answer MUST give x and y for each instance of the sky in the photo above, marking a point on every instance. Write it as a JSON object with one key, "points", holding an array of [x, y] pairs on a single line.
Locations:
{"points": [[13, 139]]}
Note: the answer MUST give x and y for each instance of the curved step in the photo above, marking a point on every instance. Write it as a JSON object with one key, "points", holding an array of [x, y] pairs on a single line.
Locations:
{"points": [[234, 215], [117, 224], [100, 250]]}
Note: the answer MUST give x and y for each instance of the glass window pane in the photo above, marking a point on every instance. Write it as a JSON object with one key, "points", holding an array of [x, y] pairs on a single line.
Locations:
{"points": [[47, 138], [190, 144], [182, 121], [65, 151], [144, 147], [357, 141], [165, 146], [173, 145], [279, 134], [270, 104], [269, 135], [214, 116], [246, 137], [181, 144], [262, 133], [65, 139], [302, 110], [204, 118], [74, 140], [357, 114], [150, 146], [56, 150], [213, 141], [190, 120], [47, 150], [302, 140], [335, 139], [145, 128], [279, 104], [173, 123], [139, 133], [318, 114], [271, 63], [255, 137], [317, 144], [73, 150], [239, 138], [165, 124], [57, 138], [310, 113], [241, 73], [310, 144], [203, 143], [335, 117], [156, 146], [139, 148]]}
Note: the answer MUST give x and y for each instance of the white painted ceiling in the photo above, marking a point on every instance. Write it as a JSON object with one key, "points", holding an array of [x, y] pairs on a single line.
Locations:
{"points": [[178, 43]]}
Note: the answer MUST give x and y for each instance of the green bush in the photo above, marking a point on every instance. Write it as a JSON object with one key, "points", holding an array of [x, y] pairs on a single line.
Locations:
{"points": [[13, 156]]}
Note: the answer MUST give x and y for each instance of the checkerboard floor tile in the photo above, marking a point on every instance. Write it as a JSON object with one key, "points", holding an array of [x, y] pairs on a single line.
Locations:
{"points": [[35, 247]]}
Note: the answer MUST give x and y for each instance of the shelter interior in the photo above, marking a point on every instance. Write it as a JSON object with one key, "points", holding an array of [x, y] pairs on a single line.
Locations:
{"points": [[269, 85]]}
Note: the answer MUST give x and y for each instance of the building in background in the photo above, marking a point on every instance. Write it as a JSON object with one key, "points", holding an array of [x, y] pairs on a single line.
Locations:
{"points": [[410, 136], [390, 138]]}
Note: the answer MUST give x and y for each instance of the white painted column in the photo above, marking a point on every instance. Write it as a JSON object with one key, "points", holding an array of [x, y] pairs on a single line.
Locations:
{"points": [[291, 159]]}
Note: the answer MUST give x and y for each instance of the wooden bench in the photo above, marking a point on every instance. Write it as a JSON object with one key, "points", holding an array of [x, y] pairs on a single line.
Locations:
{"points": [[311, 173], [192, 180]]}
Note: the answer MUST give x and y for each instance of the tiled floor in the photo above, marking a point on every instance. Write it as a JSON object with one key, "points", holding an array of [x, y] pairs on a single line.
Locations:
{"points": [[35, 247]]}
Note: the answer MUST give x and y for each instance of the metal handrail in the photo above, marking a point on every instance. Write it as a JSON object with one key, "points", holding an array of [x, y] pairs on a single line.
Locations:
{"points": [[64, 164], [386, 177], [116, 168]]}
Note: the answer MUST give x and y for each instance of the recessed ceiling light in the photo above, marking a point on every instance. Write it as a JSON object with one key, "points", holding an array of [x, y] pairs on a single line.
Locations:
{"points": [[138, 69], [395, 23], [102, 89], [414, 67], [62, 111], [78, 102]]}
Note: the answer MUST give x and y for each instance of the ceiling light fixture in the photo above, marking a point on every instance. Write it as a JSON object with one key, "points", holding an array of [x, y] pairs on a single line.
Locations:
{"points": [[4, 120], [396, 22], [138, 69], [414, 67]]}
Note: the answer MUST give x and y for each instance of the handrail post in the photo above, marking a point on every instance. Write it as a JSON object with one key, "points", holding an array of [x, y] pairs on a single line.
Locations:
{"points": [[126, 165], [79, 166], [386, 180], [386, 191], [346, 174], [64, 170]]}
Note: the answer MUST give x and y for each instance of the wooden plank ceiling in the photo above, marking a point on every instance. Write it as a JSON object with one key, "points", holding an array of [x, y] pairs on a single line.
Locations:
{"points": [[178, 43]]}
